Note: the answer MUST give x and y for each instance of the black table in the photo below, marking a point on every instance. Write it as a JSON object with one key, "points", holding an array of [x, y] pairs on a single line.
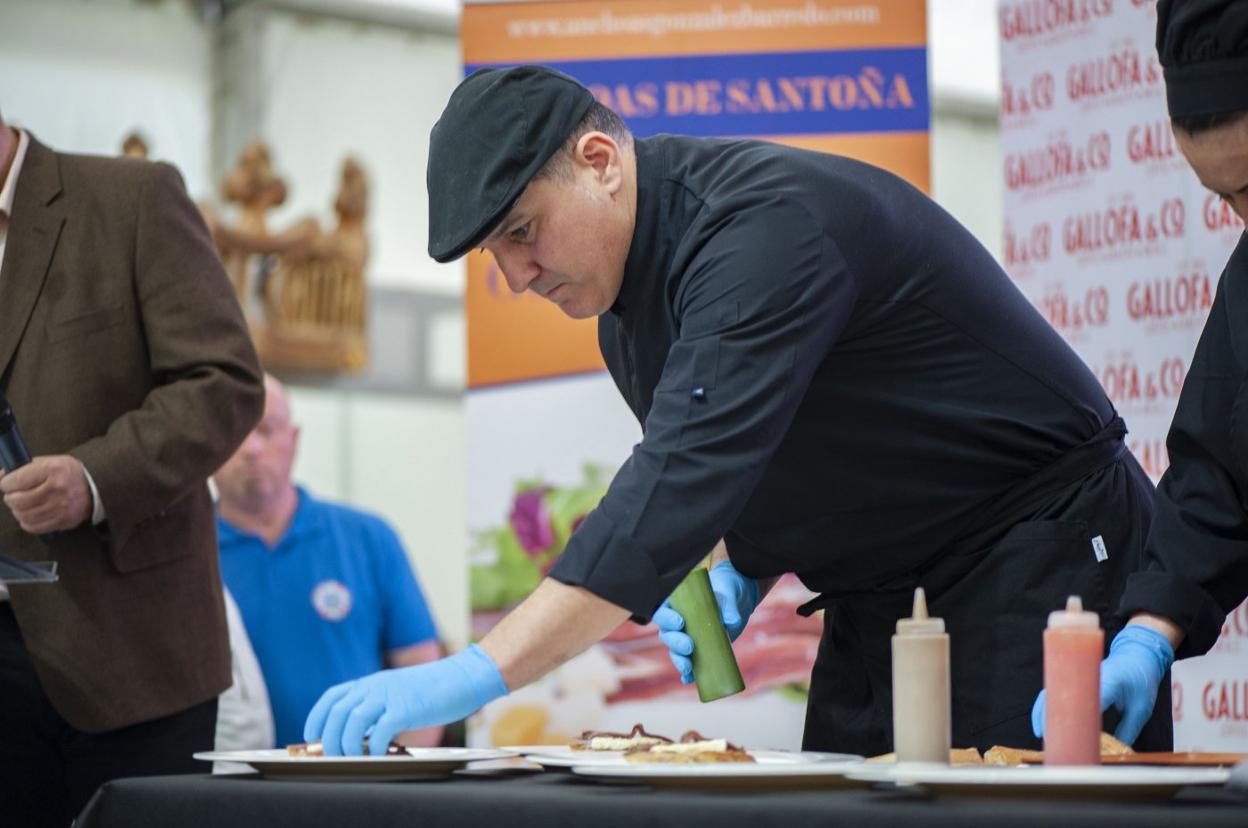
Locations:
{"points": [[562, 801]]}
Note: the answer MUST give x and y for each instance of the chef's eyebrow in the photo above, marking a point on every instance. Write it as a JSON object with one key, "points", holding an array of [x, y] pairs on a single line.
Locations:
{"points": [[498, 231], [507, 221]]}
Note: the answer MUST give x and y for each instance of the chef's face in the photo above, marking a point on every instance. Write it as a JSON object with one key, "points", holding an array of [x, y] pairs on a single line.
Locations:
{"points": [[568, 236], [1219, 157]]}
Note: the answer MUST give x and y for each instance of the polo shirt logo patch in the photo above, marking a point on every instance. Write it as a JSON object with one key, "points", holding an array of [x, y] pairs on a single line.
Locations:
{"points": [[331, 600]]}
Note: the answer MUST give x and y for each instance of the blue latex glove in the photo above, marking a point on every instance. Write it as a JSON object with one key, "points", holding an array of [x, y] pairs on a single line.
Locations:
{"points": [[1130, 677], [737, 597], [391, 701]]}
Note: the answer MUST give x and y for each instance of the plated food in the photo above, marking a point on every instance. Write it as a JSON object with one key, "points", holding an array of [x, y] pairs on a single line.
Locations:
{"points": [[607, 740], [317, 749], [1073, 782], [1191, 759], [308, 761], [957, 756], [1112, 747], [693, 748], [764, 770], [640, 746], [1012, 757], [1112, 752]]}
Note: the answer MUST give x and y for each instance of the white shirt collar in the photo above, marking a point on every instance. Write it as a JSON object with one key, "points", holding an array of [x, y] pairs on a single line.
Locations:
{"points": [[10, 184]]}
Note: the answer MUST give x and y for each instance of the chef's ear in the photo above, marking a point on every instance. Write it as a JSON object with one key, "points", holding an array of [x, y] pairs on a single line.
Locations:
{"points": [[599, 152]]}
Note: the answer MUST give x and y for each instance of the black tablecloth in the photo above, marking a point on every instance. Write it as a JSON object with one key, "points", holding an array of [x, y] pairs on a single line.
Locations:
{"points": [[561, 800]]}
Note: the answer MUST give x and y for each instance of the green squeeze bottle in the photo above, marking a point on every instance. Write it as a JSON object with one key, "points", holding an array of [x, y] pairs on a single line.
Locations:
{"points": [[715, 669]]}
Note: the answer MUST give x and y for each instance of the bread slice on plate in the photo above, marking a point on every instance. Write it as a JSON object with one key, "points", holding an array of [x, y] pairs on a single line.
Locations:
{"points": [[693, 748], [957, 756], [606, 740]]}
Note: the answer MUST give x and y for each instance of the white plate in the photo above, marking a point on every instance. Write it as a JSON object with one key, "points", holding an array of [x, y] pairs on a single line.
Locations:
{"points": [[549, 750], [562, 756], [772, 769], [554, 756], [565, 757], [1092, 782], [418, 763]]}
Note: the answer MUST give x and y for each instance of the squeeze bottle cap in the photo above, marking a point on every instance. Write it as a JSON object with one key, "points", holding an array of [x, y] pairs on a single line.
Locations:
{"points": [[1074, 616], [919, 623]]}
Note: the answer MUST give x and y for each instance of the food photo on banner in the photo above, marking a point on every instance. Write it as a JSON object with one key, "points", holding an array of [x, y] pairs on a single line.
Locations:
{"points": [[546, 427], [1113, 238]]}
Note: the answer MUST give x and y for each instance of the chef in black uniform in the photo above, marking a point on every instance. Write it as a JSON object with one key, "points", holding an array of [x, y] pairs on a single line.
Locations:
{"points": [[832, 376], [1196, 559]]}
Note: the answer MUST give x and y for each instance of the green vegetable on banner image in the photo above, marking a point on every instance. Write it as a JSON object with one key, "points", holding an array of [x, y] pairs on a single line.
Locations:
{"points": [[509, 560], [511, 555]]}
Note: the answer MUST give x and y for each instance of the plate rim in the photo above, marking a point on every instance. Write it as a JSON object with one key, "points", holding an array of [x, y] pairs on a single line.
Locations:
{"points": [[523, 750], [612, 759], [1040, 776], [278, 756], [712, 770]]}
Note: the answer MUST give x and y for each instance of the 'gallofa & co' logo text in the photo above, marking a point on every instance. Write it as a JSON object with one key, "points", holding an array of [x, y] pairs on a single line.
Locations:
{"points": [[1036, 18]]}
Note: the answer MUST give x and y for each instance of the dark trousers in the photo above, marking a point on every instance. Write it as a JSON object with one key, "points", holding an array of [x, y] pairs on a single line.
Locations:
{"points": [[995, 600], [49, 769]]}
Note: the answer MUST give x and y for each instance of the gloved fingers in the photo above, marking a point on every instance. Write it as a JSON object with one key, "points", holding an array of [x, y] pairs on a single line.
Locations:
{"points": [[315, 723], [684, 666], [336, 721], [359, 720], [1130, 675], [727, 589], [388, 726], [678, 642], [1114, 689], [1037, 716], [724, 576], [1133, 720], [666, 618], [1150, 648], [736, 595]]}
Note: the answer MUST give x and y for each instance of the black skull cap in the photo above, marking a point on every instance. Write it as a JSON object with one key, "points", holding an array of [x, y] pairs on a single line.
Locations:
{"points": [[499, 128], [1203, 49]]}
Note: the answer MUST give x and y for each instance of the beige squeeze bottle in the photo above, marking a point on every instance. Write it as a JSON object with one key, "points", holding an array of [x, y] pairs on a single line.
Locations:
{"points": [[1073, 647], [921, 718]]}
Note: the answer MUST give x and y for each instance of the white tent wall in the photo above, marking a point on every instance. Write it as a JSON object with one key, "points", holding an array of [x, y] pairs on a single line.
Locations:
{"points": [[81, 75]]}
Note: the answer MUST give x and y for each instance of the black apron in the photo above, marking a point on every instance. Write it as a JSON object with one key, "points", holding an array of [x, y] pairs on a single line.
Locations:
{"points": [[994, 588]]}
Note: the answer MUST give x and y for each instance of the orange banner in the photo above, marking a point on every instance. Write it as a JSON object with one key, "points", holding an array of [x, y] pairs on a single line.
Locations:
{"points": [[513, 337], [554, 31], [638, 46], [907, 154]]}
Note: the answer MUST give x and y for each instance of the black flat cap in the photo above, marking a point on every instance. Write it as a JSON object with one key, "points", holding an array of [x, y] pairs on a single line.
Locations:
{"points": [[1203, 49], [497, 131]]}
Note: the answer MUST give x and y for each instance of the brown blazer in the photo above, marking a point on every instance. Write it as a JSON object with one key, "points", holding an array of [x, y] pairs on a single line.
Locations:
{"points": [[121, 343]]}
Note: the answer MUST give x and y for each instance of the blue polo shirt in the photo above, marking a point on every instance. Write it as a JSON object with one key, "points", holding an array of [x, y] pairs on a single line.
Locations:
{"points": [[324, 605]]}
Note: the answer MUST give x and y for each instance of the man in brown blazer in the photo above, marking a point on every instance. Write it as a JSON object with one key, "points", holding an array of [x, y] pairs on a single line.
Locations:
{"points": [[131, 373]]}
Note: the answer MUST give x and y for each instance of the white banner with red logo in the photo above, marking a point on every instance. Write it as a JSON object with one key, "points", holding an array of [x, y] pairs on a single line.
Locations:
{"points": [[1110, 234]]}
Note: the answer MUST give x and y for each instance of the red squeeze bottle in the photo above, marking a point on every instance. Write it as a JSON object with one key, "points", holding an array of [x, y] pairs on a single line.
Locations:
{"points": [[1073, 647]]}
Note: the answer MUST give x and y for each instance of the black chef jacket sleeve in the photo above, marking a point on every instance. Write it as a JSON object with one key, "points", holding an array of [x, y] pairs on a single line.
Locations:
{"points": [[1196, 558], [760, 301]]}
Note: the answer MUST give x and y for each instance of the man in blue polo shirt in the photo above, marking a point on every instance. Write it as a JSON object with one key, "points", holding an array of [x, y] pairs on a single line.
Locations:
{"points": [[326, 592]]}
